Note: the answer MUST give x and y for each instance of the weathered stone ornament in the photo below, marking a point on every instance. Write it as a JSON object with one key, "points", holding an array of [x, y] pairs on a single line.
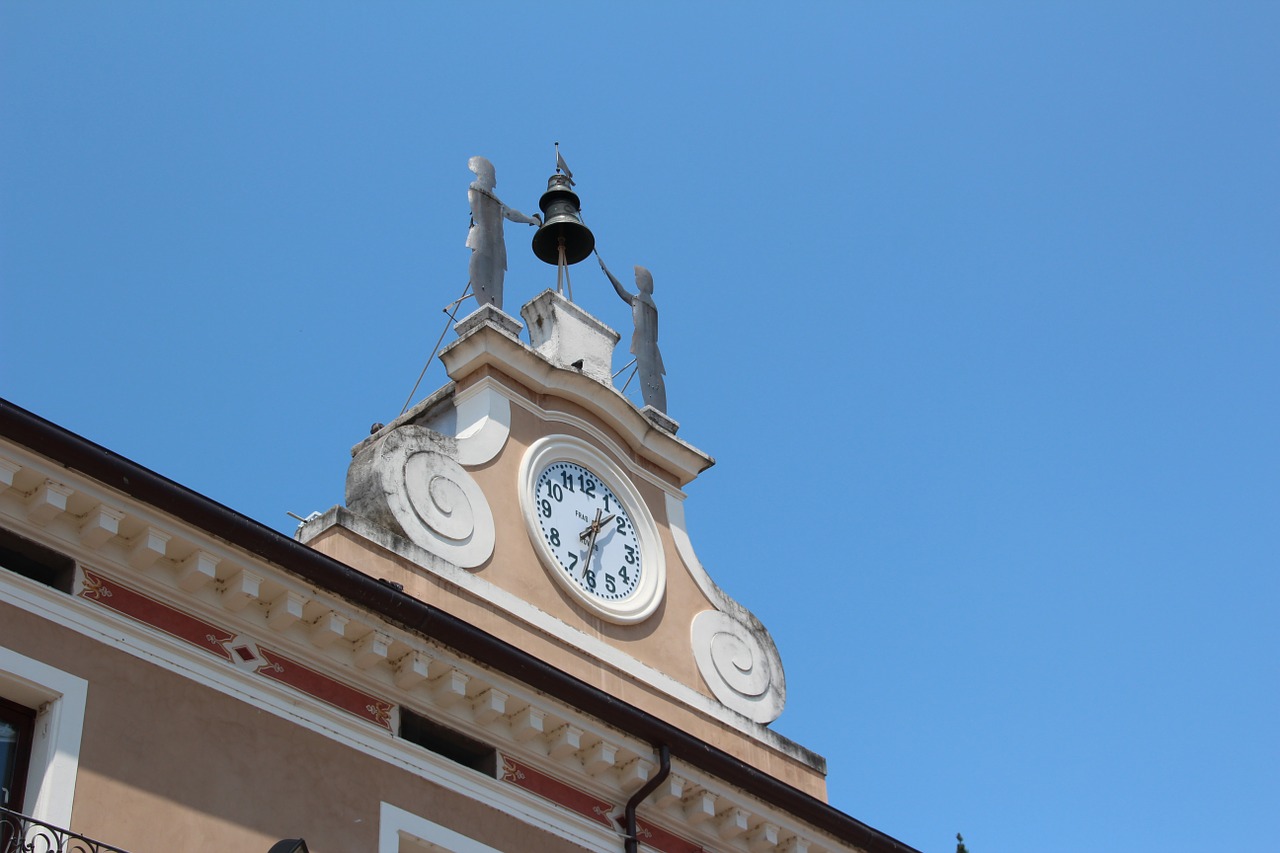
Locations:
{"points": [[409, 482]]}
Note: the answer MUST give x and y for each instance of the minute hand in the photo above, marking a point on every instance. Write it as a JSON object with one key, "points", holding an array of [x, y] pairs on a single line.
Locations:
{"points": [[592, 531]]}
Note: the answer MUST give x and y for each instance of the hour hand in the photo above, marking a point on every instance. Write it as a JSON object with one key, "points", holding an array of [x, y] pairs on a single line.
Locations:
{"points": [[594, 527]]}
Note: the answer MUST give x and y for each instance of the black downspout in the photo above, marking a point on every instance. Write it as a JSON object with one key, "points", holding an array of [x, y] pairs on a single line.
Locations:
{"points": [[664, 756]]}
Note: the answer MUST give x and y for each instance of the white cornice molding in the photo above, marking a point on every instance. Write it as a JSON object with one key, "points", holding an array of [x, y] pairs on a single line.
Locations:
{"points": [[541, 622], [484, 422], [579, 765], [484, 345], [281, 612]]}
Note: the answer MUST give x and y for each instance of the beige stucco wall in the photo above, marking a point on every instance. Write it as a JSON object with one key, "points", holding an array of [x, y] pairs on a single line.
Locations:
{"points": [[662, 642], [169, 765]]}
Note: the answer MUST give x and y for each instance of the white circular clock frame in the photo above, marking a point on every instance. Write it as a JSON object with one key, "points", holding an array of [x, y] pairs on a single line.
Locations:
{"points": [[645, 598]]}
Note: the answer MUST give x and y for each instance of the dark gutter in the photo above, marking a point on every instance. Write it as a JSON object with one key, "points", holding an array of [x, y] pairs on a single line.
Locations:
{"points": [[79, 454]]}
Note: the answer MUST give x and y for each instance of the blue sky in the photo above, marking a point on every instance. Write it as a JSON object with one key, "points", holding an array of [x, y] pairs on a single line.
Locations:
{"points": [[976, 305]]}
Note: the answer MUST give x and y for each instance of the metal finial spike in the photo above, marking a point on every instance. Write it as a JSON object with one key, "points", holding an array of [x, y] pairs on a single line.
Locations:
{"points": [[562, 166]]}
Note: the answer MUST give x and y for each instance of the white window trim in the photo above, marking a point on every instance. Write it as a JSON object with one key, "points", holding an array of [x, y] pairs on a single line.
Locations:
{"points": [[396, 825], [59, 699]]}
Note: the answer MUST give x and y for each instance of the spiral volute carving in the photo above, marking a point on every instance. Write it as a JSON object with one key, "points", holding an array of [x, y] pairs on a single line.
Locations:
{"points": [[739, 664], [432, 498]]}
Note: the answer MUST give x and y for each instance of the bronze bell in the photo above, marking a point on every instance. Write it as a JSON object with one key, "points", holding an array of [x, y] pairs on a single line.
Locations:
{"points": [[562, 223]]}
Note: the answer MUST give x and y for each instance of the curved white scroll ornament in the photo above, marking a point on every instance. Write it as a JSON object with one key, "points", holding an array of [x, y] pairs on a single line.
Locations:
{"points": [[735, 654], [735, 665], [484, 422], [437, 503]]}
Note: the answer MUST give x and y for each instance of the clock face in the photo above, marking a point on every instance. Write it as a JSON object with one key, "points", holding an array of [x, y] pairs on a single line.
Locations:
{"points": [[591, 529], [588, 531]]}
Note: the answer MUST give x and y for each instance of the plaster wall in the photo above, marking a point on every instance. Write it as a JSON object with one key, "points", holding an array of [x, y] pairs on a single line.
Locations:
{"points": [[167, 764], [662, 642], [351, 549]]}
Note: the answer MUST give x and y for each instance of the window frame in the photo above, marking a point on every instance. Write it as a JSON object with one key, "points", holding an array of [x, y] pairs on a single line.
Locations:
{"points": [[23, 720], [59, 700]]}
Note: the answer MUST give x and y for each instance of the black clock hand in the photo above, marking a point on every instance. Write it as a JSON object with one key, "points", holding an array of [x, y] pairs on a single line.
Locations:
{"points": [[594, 527], [594, 531]]}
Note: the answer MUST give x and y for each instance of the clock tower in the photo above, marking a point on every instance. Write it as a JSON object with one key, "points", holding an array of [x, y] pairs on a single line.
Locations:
{"points": [[532, 498], [503, 639]]}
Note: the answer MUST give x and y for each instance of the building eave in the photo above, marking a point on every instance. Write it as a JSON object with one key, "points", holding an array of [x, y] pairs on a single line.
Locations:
{"points": [[77, 453]]}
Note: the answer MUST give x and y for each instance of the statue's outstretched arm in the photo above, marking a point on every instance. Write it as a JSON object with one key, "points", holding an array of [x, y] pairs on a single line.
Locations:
{"points": [[516, 216], [617, 285]]}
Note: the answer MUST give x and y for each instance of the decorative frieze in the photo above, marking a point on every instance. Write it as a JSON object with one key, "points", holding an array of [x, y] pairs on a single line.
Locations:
{"points": [[168, 595]]}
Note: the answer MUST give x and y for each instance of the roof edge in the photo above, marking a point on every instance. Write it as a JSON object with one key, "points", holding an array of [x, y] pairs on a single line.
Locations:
{"points": [[111, 469]]}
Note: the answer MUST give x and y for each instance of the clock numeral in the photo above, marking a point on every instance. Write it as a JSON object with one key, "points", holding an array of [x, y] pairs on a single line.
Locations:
{"points": [[574, 557], [622, 525], [609, 584], [631, 555], [545, 506], [567, 479], [591, 579], [554, 536], [626, 578], [588, 485], [555, 491], [607, 498]]}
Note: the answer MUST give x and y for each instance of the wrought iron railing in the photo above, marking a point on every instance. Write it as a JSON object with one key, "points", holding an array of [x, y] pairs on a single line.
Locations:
{"points": [[22, 834]]}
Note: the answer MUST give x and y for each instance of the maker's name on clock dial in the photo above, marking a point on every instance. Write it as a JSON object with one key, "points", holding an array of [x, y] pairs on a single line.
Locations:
{"points": [[588, 531]]}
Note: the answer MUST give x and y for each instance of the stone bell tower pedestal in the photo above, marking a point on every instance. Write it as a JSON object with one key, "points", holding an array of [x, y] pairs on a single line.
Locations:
{"points": [[569, 337]]}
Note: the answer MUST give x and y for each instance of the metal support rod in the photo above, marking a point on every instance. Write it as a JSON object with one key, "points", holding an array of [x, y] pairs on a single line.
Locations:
{"points": [[562, 267], [624, 367], [448, 309], [664, 757]]}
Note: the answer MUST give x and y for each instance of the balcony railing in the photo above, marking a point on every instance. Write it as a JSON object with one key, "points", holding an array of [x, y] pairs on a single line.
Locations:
{"points": [[22, 834]]}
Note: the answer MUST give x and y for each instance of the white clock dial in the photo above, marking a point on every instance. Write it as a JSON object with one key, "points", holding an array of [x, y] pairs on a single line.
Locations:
{"points": [[592, 529], [588, 531]]}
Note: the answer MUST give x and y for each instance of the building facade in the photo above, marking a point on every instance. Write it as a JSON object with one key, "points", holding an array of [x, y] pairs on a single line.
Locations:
{"points": [[504, 640]]}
